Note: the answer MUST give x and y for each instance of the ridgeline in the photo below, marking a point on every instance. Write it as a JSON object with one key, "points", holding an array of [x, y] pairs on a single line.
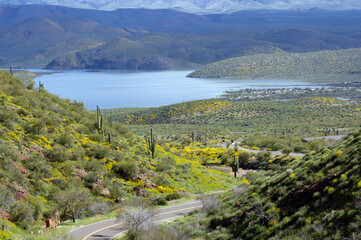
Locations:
{"points": [[331, 66]]}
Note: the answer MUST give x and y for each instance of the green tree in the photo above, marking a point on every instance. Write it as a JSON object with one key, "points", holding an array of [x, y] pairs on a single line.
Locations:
{"points": [[72, 201]]}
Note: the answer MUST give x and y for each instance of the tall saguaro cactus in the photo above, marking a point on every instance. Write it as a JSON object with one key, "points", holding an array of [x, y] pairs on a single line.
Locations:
{"points": [[99, 121], [235, 166], [152, 143], [41, 86]]}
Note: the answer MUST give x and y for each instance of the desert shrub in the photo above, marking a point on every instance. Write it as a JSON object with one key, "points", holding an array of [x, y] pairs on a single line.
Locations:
{"points": [[96, 137], [37, 207], [263, 156], [243, 158], [301, 147], [98, 206], [90, 179], [173, 196], [21, 213], [210, 202], [7, 154], [64, 139], [120, 128], [7, 118], [78, 154], [117, 191], [160, 201], [287, 150], [165, 164], [163, 232], [83, 129], [125, 169], [98, 151], [93, 165], [36, 126], [22, 112], [58, 154], [161, 180]]}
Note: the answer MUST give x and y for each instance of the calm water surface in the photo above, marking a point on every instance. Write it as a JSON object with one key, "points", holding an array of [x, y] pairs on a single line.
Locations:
{"points": [[113, 89]]}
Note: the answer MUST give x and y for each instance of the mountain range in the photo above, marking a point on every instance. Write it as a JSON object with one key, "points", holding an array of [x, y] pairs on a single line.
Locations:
{"points": [[39, 36], [200, 6]]}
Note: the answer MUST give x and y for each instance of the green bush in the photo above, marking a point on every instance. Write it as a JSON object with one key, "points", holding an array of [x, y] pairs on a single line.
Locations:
{"points": [[173, 196], [98, 151], [125, 169], [161, 201], [58, 153], [64, 139]]}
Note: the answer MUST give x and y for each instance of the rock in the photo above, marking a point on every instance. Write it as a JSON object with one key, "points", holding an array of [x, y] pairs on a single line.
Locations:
{"points": [[21, 193], [5, 215], [150, 185], [142, 192], [80, 173], [105, 192], [120, 199], [23, 170]]}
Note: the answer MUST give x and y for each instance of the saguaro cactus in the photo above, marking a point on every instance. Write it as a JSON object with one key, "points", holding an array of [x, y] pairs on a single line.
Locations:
{"points": [[110, 120], [109, 138], [41, 86], [152, 143], [99, 121], [235, 166]]}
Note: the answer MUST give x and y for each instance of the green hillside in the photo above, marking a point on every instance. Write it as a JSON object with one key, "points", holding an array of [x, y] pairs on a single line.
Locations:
{"points": [[315, 197], [298, 115], [56, 157], [337, 66]]}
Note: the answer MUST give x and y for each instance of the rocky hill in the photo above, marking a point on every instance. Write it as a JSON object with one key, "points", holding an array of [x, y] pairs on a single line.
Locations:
{"points": [[316, 197]]}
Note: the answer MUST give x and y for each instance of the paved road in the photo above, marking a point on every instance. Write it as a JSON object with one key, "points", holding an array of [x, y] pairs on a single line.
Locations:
{"points": [[274, 153], [110, 228]]}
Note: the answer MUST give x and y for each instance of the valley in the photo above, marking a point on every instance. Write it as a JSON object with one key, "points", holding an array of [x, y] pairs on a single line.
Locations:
{"points": [[229, 119]]}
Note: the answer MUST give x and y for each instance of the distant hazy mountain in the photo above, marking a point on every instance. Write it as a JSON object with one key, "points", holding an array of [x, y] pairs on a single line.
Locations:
{"points": [[38, 36], [200, 6]]}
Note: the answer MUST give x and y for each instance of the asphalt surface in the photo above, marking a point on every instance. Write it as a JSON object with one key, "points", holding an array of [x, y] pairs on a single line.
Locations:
{"points": [[110, 228], [274, 153]]}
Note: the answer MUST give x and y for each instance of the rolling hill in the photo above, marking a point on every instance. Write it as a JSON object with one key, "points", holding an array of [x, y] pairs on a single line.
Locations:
{"points": [[338, 65]]}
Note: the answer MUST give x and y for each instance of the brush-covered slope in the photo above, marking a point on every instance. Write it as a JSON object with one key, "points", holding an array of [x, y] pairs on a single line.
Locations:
{"points": [[53, 159], [298, 115], [315, 197], [338, 65]]}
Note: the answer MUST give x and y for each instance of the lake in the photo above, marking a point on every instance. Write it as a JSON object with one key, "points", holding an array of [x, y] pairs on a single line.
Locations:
{"points": [[115, 89]]}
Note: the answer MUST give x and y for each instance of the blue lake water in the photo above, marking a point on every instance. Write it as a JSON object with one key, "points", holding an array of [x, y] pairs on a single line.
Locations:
{"points": [[114, 89]]}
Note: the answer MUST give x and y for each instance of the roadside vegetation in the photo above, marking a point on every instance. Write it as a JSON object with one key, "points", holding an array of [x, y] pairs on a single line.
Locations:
{"points": [[316, 197]]}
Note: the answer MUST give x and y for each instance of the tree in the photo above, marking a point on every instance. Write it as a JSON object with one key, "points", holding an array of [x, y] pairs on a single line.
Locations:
{"points": [[72, 201], [287, 150], [137, 215], [243, 158]]}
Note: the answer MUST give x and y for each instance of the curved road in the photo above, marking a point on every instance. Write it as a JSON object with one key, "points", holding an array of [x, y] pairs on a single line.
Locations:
{"points": [[108, 229], [274, 153]]}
